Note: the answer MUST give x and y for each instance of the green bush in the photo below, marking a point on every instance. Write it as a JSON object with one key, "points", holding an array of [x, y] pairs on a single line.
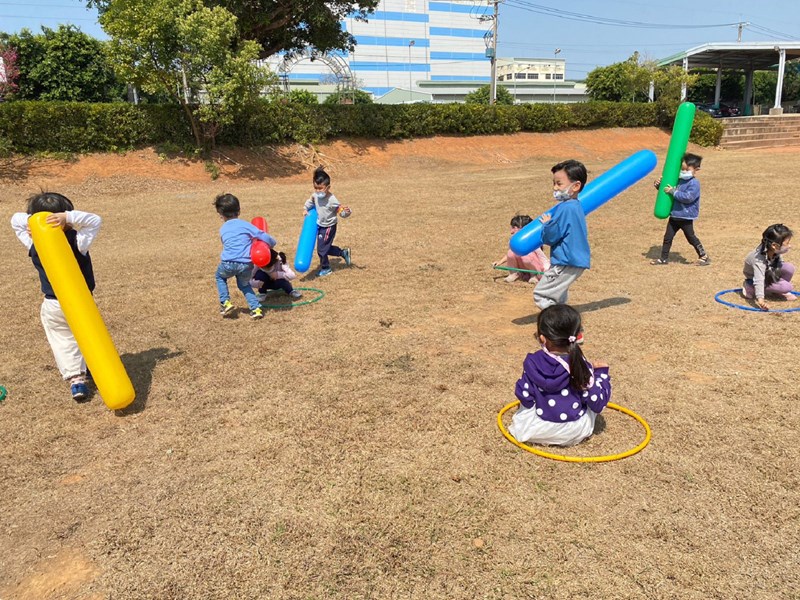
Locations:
{"points": [[706, 131], [83, 127], [89, 127]]}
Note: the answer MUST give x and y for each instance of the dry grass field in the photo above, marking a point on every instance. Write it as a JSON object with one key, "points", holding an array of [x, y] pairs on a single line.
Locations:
{"points": [[348, 449]]}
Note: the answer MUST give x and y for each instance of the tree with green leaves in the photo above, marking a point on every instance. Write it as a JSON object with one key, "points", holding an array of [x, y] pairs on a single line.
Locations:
{"points": [[191, 51], [62, 64], [352, 96], [286, 25], [626, 81], [481, 96], [9, 73]]}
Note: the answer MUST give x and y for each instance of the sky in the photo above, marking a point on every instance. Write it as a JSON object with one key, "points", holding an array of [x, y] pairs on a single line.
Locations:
{"points": [[535, 28]]}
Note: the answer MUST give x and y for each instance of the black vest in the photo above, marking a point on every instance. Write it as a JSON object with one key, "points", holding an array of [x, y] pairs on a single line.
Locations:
{"points": [[84, 262]]}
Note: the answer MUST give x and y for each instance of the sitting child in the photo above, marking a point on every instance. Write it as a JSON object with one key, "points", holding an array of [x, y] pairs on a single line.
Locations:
{"points": [[276, 275], [560, 392], [533, 261], [765, 271]]}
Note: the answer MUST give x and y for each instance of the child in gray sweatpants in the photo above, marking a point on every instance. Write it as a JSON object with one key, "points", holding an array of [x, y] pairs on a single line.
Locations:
{"points": [[565, 232]]}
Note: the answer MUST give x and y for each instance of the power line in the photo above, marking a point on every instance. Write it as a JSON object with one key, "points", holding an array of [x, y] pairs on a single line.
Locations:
{"points": [[546, 45], [772, 32], [36, 4], [574, 16], [40, 18]]}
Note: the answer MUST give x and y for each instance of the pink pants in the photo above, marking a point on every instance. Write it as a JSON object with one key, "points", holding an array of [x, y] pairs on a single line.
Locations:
{"points": [[533, 261], [784, 284]]}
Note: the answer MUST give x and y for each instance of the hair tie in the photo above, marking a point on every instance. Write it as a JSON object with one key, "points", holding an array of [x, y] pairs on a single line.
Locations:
{"points": [[572, 339]]}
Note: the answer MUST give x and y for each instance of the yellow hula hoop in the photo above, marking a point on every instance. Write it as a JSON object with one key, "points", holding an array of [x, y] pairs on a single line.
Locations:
{"points": [[579, 459]]}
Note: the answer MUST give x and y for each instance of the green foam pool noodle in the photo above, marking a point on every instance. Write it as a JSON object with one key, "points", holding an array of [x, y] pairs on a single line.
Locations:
{"points": [[672, 164]]}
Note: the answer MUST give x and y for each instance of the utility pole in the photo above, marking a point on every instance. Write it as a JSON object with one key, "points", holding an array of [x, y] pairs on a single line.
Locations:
{"points": [[493, 56], [740, 27], [556, 52], [410, 93]]}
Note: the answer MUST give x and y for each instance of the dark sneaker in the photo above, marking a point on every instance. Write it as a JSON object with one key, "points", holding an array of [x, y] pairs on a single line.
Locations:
{"points": [[703, 261], [226, 308], [79, 392], [256, 314], [295, 294], [324, 272], [346, 256]]}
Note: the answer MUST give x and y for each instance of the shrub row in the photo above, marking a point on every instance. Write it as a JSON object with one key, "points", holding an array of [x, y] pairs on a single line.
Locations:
{"points": [[85, 127]]}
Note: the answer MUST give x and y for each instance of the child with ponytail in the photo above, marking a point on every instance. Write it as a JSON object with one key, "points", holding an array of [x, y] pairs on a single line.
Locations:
{"points": [[765, 271], [560, 392]]}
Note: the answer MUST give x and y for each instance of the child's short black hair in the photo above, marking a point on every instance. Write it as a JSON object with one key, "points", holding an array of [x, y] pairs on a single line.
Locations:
{"points": [[321, 177], [519, 221], [49, 202], [227, 205], [692, 160], [575, 171]]}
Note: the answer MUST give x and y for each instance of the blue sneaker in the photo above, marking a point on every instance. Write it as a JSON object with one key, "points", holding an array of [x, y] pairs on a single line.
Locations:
{"points": [[324, 272], [79, 392], [346, 256]]}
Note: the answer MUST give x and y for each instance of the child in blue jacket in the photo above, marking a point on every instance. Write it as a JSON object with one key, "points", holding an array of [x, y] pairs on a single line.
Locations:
{"points": [[685, 210], [565, 232], [237, 238]]}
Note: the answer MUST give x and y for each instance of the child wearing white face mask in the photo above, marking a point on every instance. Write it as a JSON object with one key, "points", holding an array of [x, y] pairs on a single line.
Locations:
{"points": [[328, 208], [685, 210], [565, 232], [765, 271]]}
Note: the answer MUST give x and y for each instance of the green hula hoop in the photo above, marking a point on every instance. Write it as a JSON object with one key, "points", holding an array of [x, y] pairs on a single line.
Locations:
{"points": [[502, 268], [320, 296], [3, 393]]}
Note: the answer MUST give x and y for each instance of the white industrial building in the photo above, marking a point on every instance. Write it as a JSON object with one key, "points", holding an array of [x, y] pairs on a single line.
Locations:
{"points": [[425, 50]]}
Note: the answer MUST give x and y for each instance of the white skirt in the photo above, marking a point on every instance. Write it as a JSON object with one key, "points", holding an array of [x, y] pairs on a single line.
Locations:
{"points": [[527, 426]]}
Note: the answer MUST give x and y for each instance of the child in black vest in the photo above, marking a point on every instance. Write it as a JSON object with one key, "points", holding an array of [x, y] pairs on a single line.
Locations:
{"points": [[80, 228]]}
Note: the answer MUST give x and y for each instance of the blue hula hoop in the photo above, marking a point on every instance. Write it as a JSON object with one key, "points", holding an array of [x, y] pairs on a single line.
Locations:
{"points": [[750, 308]]}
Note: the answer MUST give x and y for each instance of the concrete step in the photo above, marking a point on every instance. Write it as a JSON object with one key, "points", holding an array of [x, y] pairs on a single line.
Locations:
{"points": [[761, 136], [776, 131], [760, 126], [765, 143], [759, 119]]}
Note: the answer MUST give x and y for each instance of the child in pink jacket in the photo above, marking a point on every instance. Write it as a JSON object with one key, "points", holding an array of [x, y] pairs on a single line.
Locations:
{"points": [[275, 276], [533, 261]]}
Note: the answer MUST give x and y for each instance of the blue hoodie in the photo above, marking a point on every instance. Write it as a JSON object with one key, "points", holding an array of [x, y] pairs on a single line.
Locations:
{"points": [[237, 236], [566, 235], [686, 200]]}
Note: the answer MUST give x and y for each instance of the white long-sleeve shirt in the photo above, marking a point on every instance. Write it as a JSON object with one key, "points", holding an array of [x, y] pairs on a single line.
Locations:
{"points": [[85, 224]]}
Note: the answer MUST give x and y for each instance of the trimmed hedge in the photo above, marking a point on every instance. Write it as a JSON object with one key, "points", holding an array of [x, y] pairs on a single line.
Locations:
{"points": [[33, 126], [87, 127]]}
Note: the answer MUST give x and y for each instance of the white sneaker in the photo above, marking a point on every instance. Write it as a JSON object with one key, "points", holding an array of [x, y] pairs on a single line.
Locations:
{"points": [[512, 277]]}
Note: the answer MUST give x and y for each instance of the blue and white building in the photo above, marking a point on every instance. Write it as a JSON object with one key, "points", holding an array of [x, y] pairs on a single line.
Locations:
{"points": [[428, 50], [406, 42]]}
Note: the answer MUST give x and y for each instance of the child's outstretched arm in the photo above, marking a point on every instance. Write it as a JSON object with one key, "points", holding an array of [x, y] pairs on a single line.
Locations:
{"points": [[265, 237], [502, 261]]}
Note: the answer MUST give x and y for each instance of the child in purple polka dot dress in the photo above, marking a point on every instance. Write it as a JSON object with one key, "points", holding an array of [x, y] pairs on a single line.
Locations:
{"points": [[560, 392]]}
